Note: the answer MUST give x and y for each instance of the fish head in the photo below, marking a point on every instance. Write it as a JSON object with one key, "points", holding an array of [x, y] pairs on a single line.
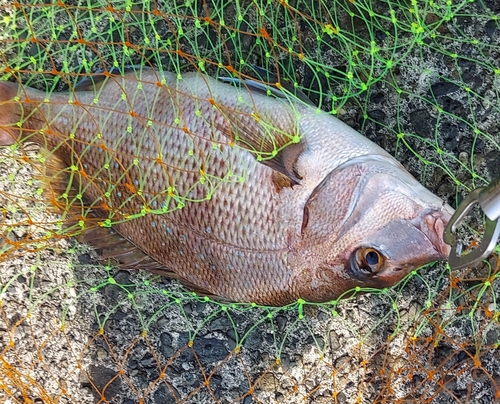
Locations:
{"points": [[369, 223]]}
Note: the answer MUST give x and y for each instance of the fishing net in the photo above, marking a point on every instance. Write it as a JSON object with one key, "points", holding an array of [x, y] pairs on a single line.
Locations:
{"points": [[420, 78]]}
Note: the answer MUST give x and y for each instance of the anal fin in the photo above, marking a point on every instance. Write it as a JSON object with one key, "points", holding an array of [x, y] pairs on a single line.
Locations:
{"points": [[110, 245]]}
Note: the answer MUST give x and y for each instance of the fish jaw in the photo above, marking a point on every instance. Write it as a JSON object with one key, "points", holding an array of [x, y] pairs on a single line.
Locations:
{"points": [[384, 211], [432, 224]]}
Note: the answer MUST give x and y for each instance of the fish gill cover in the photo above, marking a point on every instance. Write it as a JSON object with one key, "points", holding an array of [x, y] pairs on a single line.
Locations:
{"points": [[420, 78]]}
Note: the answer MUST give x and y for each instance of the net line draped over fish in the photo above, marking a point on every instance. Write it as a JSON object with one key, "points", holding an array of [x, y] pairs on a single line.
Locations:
{"points": [[419, 78]]}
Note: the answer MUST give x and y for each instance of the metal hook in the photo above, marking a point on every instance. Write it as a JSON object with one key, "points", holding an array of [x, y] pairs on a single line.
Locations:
{"points": [[489, 200]]}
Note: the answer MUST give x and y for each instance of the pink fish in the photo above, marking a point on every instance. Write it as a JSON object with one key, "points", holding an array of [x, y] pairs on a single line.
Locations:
{"points": [[238, 194]]}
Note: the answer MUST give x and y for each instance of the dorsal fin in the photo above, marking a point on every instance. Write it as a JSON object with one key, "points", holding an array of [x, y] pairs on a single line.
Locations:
{"points": [[95, 81], [267, 82]]}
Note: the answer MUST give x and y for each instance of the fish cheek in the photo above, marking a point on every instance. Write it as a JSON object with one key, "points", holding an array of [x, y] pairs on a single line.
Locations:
{"points": [[328, 207], [326, 283]]}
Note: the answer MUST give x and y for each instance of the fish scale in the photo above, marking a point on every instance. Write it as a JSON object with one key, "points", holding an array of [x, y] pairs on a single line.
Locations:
{"points": [[239, 195]]}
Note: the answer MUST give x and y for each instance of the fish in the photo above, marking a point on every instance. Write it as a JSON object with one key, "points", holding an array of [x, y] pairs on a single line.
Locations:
{"points": [[241, 194]]}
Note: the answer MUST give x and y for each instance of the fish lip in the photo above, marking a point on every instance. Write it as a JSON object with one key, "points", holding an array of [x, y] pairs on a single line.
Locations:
{"points": [[432, 223]]}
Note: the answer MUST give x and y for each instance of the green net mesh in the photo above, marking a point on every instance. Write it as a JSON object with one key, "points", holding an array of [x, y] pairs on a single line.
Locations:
{"points": [[420, 78]]}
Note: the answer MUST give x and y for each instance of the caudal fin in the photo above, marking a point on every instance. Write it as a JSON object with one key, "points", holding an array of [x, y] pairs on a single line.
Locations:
{"points": [[10, 113]]}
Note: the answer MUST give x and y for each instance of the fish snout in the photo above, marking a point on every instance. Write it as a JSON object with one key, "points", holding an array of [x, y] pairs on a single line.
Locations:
{"points": [[432, 224]]}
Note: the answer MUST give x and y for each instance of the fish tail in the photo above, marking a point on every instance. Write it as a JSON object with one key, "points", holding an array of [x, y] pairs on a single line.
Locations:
{"points": [[16, 117], [10, 113], [20, 119]]}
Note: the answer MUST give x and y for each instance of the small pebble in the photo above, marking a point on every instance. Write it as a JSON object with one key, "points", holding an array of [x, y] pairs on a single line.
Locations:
{"points": [[101, 354], [463, 157]]}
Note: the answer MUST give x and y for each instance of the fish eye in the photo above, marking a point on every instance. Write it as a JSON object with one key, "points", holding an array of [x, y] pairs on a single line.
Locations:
{"points": [[367, 261]]}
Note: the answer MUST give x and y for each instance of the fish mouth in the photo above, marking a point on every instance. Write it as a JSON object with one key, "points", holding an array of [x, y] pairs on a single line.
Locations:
{"points": [[432, 223]]}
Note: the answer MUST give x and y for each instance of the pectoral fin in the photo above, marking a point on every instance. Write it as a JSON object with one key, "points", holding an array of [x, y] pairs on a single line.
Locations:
{"points": [[270, 84], [284, 161], [273, 144]]}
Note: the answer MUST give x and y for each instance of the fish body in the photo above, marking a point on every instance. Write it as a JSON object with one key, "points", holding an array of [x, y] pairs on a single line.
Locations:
{"points": [[237, 194]]}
